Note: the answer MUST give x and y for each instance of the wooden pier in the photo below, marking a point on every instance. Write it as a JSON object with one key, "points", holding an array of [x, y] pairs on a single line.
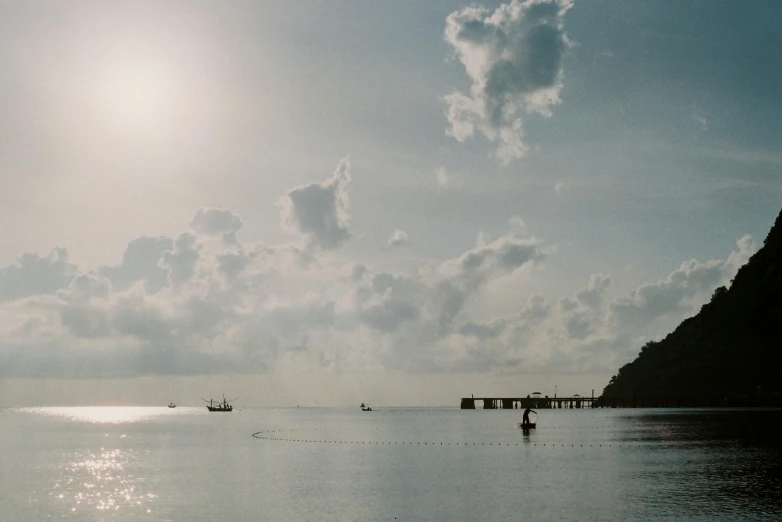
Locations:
{"points": [[514, 403], [520, 403]]}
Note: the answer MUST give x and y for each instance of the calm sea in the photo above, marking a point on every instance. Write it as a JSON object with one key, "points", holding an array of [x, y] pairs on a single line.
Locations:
{"points": [[186, 464]]}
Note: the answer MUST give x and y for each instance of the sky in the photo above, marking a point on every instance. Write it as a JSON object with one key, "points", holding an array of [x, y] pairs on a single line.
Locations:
{"points": [[400, 203]]}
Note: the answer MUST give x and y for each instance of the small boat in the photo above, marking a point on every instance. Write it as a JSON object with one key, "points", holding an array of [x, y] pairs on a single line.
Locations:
{"points": [[219, 406], [525, 423], [364, 407], [171, 405]]}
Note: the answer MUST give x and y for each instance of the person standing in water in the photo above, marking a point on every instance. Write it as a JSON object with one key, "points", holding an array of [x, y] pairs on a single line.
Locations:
{"points": [[525, 416]]}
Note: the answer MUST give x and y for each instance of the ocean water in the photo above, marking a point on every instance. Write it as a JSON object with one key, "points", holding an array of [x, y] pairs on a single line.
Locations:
{"points": [[186, 464]]}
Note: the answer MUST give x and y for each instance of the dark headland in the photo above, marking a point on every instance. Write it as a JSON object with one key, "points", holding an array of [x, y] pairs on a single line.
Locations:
{"points": [[729, 354]]}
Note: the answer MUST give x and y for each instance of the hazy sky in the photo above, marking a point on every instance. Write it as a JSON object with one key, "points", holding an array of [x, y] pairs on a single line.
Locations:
{"points": [[332, 202]]}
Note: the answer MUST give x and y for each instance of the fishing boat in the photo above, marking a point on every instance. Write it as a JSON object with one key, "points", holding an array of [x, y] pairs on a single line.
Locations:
{"points": [[219, 406], [171, 405], [364, 407]]}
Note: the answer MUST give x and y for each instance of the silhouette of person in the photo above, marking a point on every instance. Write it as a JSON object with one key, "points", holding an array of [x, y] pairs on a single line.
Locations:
{"points": [[525, 416]]}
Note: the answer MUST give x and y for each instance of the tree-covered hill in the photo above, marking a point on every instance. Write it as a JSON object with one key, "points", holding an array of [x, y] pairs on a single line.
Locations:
{"points": [[730, 351]]}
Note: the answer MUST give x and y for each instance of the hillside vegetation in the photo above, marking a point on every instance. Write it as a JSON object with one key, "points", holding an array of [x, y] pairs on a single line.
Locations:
{"points": [[731, 350]]}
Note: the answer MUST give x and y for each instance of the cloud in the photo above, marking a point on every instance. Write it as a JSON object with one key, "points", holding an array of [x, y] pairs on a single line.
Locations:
{"points": [[35, 275], [428, 307], [701, 120], [587, 332], [520, 342], [308, 315], [84, 308], [232, 264], [561, 186], [389, 301], [398, 238], [140, 262], [591, 295], [674, 294], [357, 272], [204, 302], [504, 255], [513, 57], [319, 210], [279, 316], [464, 277], [85, 321], [216, 222], [582, 312], [484, 330], [443, 180], [87, 286], [138, 318], [181, 259]]}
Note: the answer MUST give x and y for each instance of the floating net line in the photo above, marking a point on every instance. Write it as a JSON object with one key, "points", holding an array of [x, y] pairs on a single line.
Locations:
{"points": [[319, 436]]}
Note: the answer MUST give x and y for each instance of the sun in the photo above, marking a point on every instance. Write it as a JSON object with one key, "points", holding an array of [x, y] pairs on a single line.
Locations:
{"points": [[137, 97]]}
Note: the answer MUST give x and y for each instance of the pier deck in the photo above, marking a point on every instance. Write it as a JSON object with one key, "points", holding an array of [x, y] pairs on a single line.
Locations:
{"points": [[520, 403], [513, 403]]}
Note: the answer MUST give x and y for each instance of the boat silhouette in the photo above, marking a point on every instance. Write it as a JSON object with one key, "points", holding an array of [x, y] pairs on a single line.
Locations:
{"points": [[219, 406]]}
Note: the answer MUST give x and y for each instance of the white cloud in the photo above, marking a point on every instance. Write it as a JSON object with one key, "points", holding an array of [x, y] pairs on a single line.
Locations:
{"points": [[443, 180], [203, 304], [505, 254], [389, 301], [140, 263], [681, 291], [319, 211], [483, 330], [86, 321], [513, 57], [583, 311], [181, 259], [587, 333], [216, 222], [87, 286], [398, 238], [357, 272], [591, 295], [137, 317], [35, 275], [232, 264]]}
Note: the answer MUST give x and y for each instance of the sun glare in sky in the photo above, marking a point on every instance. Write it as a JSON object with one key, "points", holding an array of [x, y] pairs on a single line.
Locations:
{"points": [[137, 97]]}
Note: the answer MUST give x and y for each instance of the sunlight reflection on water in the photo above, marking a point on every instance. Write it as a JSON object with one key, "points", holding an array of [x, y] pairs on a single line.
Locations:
{"points": [[101, 481], [106, 414], [108, 477]]}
